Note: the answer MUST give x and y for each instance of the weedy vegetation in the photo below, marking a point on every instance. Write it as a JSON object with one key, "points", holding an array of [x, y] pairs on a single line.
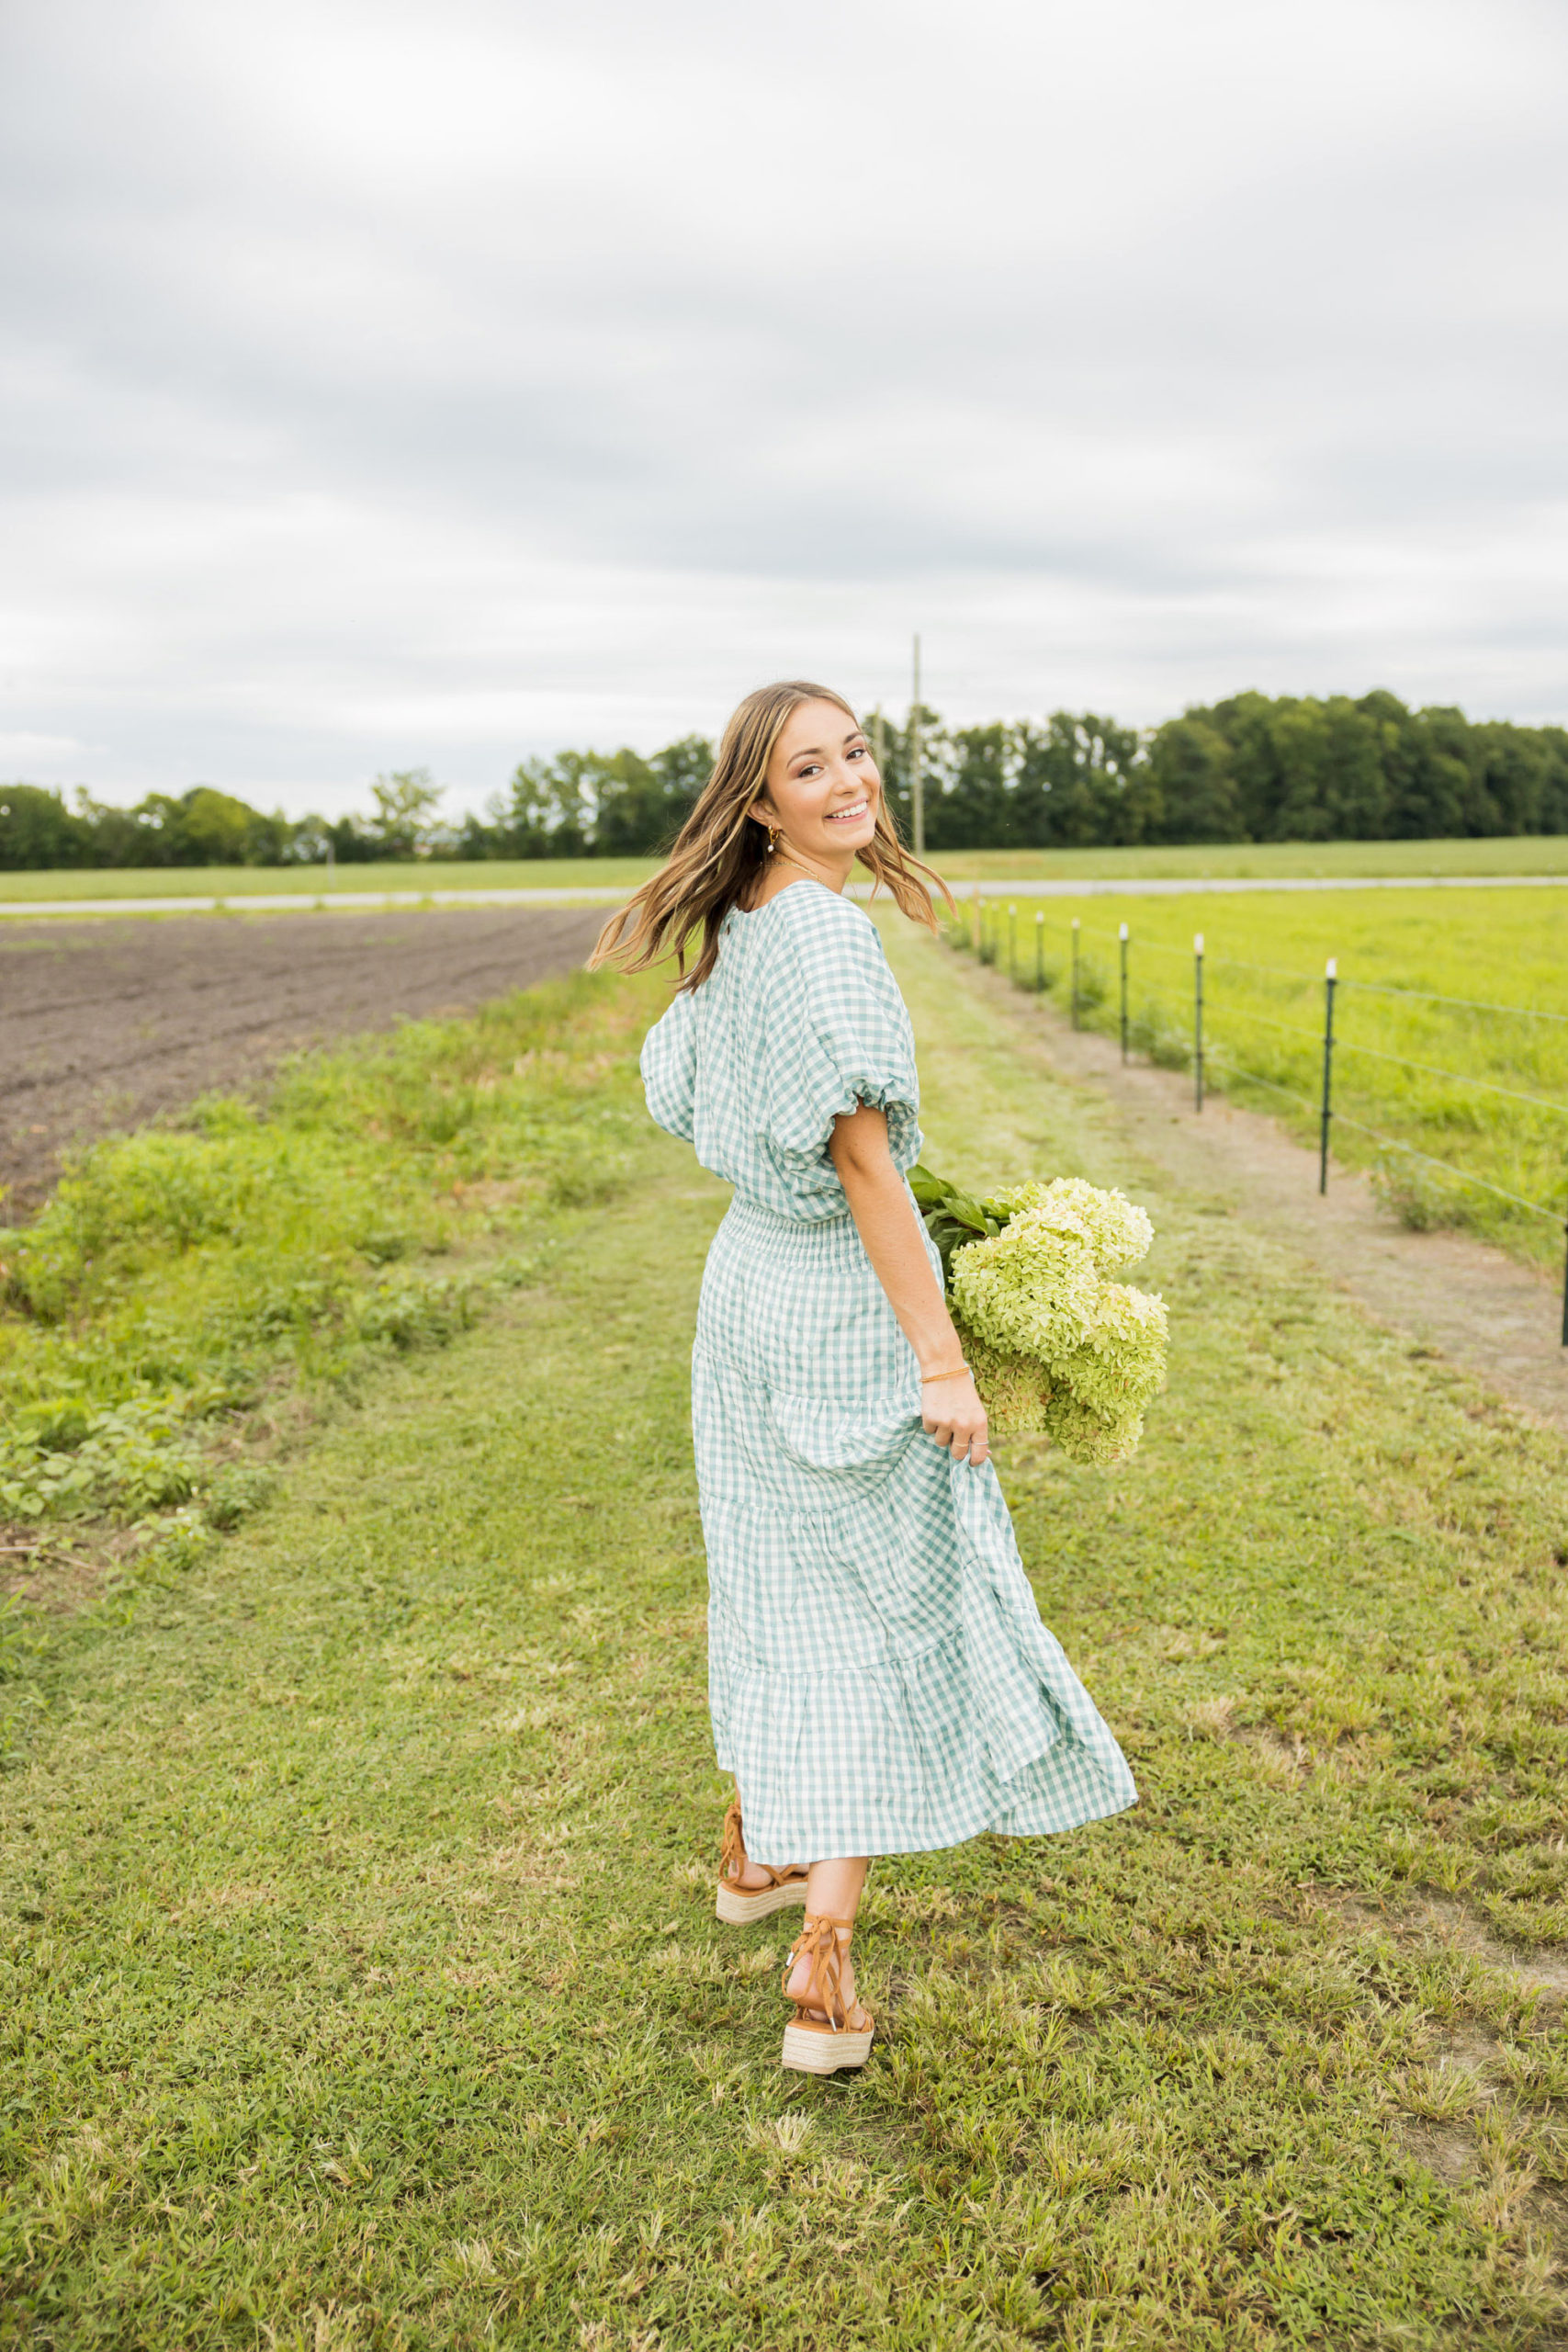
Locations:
{"points": [[359, 1985], [191, 1292]]}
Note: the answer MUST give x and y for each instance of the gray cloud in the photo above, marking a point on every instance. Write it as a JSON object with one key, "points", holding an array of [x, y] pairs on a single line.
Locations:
{"points": [[412, 382]]}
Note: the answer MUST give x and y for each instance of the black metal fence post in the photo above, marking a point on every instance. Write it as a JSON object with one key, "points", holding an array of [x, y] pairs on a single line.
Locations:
{"points": [[1330, 982], [1197, 1020], [1074, 971], [1039, 951], [1123, 940]]}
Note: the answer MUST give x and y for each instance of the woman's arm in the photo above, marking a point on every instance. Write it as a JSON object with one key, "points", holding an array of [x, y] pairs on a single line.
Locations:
{"points": [[879, 1203]]}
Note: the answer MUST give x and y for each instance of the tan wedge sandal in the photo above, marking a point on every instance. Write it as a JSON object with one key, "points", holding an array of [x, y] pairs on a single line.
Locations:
{"points": [[823, 2035], [737, 1905]]}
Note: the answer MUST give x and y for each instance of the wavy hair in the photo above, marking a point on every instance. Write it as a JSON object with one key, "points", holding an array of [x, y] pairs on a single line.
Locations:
{"points": [[719, 850]]}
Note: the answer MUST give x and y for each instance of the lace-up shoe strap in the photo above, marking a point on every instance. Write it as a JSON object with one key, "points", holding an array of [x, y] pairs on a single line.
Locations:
{"points": [[825, 2033], [738, 1905]]}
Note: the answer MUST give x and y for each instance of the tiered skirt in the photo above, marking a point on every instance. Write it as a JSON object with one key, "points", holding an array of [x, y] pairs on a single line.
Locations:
{"points": [[879, 1675]]}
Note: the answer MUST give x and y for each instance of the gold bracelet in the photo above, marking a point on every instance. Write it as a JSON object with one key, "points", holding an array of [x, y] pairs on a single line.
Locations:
{"points": [[950, 1374]]}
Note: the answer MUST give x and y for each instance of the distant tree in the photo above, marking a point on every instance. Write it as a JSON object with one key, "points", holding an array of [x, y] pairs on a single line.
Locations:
{"points": [[204, 827], [1421, 795], [969, 794], [1082, 781], [584, 803], [543, 813], [404, 823], [939, 757], [1328, 775], [1190, 772], [38, 831]]}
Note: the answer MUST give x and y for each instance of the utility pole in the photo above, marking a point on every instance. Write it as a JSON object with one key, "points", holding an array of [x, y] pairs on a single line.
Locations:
{"points": [[917, 781]]}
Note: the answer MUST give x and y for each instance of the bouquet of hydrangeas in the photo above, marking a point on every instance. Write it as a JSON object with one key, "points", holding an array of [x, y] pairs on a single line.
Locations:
{"points": [[1058, 1348]]}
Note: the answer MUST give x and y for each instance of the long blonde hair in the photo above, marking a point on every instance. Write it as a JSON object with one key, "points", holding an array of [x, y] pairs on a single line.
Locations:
{"points": [[719, 850]]}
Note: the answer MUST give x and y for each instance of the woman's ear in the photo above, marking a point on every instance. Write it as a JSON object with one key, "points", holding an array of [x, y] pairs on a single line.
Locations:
{"points": [[761, 812]]}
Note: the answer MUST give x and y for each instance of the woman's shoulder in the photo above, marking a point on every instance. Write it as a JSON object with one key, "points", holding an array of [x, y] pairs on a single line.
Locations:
{"points": [[814, 922], [824, 959]]}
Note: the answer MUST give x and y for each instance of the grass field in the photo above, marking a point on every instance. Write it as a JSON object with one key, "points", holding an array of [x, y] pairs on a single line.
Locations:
{"points": [[1263, 1017], [1530, 853], [358, 1980]]}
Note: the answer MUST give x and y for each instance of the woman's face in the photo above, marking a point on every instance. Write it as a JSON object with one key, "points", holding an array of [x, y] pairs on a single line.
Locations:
{"points": [[822, 789]]}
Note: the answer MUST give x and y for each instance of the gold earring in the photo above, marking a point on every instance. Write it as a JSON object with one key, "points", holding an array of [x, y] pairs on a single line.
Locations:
{"points": [[772, 839]]}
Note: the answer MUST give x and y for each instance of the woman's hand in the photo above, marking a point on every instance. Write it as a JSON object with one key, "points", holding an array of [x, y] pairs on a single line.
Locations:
{"points": [[952, 1414]]}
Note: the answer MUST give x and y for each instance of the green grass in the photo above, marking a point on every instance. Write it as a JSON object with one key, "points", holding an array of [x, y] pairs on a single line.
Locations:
{"points": [[360, 1983], [1528, 853], [1264, 995], [1525, 853], [188, 1276], [312, 882]]}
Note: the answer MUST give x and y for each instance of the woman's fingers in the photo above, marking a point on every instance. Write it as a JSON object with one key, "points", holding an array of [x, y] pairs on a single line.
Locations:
{"points": [[967, 1440], [953, 1417]]}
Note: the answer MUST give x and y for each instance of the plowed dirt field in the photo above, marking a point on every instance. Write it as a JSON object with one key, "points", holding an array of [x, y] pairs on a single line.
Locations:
{"points": [[104, 1024]]}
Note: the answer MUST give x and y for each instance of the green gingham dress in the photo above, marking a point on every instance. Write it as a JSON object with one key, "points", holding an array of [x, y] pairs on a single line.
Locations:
{"points": [[879, 1677]]}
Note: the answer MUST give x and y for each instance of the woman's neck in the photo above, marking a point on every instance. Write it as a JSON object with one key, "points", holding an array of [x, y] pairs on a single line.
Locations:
{"points": [[785, 866]]}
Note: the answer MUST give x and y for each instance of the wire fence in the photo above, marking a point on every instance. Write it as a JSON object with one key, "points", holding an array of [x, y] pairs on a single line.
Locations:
{"points": [[991, 932]]}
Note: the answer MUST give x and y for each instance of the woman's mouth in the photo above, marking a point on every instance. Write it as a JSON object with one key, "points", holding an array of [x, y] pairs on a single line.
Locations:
{"points": [[849, 816]]}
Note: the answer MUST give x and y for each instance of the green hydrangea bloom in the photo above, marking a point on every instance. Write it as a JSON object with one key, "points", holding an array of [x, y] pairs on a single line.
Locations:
{"points": [[1016, 1389], [1083, 1436], [1118, 1231], [1059, 1348]]}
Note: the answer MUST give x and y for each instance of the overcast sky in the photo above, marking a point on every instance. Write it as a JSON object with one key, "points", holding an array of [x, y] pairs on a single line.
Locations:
{"points": [[436, 383]]}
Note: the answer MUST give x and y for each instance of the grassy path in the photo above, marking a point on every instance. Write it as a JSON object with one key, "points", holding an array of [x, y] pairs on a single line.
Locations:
{"points": [[358, 1985]]}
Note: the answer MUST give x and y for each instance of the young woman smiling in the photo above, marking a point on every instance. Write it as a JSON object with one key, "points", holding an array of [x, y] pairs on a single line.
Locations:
{"points": [[879, 1677]]}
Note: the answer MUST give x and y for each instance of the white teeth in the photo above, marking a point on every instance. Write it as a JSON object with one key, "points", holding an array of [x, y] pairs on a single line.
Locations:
{"points": [[842, 816]]}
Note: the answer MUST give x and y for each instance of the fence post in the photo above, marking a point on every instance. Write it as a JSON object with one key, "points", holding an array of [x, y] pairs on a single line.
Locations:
{"points": [[1039, 951], [1124, 938], [1074, 971], [1197, 1020], [1012, 944], [976, 923], [1330, 980]]}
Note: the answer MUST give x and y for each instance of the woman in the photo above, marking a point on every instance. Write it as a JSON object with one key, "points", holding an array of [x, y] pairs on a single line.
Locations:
{"points": [[879, 1677]]}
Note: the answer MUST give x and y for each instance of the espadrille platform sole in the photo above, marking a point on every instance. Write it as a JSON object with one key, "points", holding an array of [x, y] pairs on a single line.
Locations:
{"points": [[818, 2050], [824, 2034], [740, 1906]]}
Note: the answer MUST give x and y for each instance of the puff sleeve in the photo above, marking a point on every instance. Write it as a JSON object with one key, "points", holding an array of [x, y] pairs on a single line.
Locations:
{"points": [[669, 1066], [837, 1035]]}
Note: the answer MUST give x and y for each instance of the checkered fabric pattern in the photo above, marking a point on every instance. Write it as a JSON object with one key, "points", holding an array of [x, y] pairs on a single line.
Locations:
{"points": [[879, 1677]]}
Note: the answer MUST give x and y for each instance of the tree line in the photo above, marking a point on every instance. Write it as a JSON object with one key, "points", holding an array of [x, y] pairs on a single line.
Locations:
{"points": [[1253, 768]]}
